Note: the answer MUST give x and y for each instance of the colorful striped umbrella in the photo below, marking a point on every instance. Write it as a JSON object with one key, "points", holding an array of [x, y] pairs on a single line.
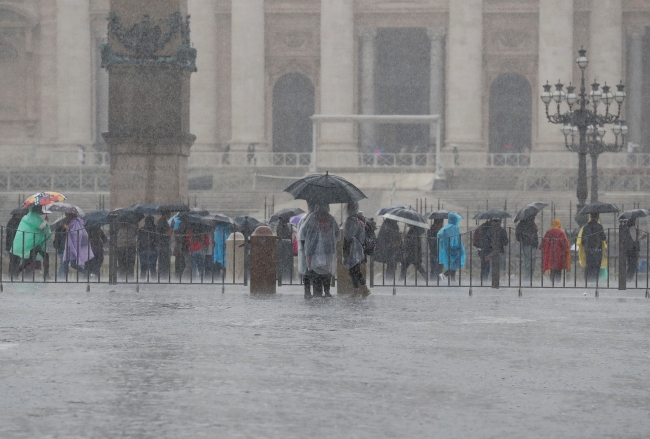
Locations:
{"points": [[44, 198]]}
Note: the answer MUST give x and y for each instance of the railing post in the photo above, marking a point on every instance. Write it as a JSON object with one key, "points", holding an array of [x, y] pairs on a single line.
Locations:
{"points": [[623, 230]]}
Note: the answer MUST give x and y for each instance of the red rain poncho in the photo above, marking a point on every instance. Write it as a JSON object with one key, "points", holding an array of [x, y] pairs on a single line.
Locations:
{"points": [[556, 250]]}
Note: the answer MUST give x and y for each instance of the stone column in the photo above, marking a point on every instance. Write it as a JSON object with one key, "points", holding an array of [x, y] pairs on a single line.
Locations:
{"points": [[337, 81], [74, 72], [248, 72], [203, 85], [606, 42], [464, 123], [556, 61], [437, 88], [634, 105], [149, 89], [367, 63]]}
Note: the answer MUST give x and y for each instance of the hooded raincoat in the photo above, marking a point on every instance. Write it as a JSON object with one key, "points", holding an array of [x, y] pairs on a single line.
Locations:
{"points": [[77, 245], [320, 233], [221, 233], [451, 252], [355, 235], [556, 250], [33, 231]]}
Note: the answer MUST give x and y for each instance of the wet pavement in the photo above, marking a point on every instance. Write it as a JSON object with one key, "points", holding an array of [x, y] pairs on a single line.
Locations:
{"points": [[191, 362]]}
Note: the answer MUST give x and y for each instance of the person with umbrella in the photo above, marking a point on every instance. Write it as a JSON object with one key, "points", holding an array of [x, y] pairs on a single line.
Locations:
{"points": [[432, 240], [127, 233], [30, 239], [591, 244], [412, 251], [389, 246], [556, 251], [526, 235], [196, 241], [450, 246], [221, 233], [353, 255], [77, 246], [163, 232], [12, 228], [321, 232], [302, 260], [481, 240], [97, 239], [632, 249], [147, 248]]}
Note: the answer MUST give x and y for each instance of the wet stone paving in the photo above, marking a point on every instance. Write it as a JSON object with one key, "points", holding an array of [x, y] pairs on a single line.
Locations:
{"points": [[190, 362]]}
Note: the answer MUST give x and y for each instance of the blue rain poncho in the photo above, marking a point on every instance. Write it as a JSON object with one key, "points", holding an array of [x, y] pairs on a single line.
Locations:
{"points": [[451, 252], [221, 234]]}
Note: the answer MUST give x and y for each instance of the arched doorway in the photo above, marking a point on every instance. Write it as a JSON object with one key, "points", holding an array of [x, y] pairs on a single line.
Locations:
{"points": [[293, 105], [510, 114]]}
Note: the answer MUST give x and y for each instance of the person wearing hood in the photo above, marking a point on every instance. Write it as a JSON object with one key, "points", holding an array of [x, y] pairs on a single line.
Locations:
{"points": [[353, 255], [432, 240], [148, 248], [77, 245], [389, 247], [556, 251], [320, 233], [30, 239], [12, 228], [526, 235], [591, 244], [302, 261], [97, 239], [451, 251], [412, 252], [221, 233], [632, 248]]}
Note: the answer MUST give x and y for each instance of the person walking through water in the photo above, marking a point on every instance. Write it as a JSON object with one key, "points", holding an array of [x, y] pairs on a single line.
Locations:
{"points": [[412, 254], [353, 255], [29, 242], [526, 235], [451, 251], [147, 249], [164, 231], [77, 246], [302, 261], [320, 236], [389, 247], [591, 245], [632, 248], [432, 240], [556, 251]]}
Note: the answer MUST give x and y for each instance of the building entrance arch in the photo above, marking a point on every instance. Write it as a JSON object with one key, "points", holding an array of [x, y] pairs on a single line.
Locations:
{"points": [[510, 114], [293, 105]]}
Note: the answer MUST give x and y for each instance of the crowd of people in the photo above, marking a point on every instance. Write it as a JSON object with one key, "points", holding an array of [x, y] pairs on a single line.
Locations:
{"points": [[199, 250]]}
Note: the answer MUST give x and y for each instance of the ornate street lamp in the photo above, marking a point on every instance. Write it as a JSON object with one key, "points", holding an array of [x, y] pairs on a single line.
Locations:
{"points": [[586, 124]]}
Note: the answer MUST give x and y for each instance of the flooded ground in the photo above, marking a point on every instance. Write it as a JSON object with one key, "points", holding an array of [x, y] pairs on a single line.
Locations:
{"points": [[190, 362]]}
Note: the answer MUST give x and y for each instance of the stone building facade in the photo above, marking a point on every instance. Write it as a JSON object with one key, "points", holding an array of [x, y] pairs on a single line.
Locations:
{"points": [[264, 66]]}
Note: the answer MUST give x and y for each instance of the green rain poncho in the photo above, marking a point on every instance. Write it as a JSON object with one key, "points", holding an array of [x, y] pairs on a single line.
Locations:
{"points": [[33, 231]]}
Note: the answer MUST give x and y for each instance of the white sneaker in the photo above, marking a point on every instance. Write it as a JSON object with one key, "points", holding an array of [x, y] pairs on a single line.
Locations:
{"points": [[442, 277]]}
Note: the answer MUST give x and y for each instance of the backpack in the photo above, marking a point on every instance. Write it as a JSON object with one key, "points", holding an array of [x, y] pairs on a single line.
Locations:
{"points": [[370, 242]]}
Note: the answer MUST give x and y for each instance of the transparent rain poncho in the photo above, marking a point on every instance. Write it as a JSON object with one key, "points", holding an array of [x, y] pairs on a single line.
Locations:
{"points": [[320, 234]]}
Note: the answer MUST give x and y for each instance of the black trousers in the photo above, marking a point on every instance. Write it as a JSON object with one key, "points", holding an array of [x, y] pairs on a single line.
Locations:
{"points": [[357, 276], [126, 262], [321, 282], [14, 264], [27, 263], [95, 264], [164, 262], [592, 270]]}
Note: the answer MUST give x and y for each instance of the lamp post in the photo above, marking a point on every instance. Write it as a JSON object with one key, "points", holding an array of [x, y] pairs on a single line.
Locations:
{"points": [[587, 125]]}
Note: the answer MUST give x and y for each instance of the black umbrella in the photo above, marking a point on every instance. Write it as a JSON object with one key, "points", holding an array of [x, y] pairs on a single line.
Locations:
{"points": [[215, 218], [387, 209], [199, 211], [492, 214], [173, 207], [20, 211], [634, 214], [251, 221], [599, 207], [529, 211], [285, 214], [145, 209], [408, 216], [126, 216], [325, 189], [96, 218], [437, 214]]}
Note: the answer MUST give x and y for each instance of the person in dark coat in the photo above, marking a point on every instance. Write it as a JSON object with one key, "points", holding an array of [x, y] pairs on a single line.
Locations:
{"points": [[592, 236], [97, 240], [526, 235], [148, 248], [60, 237], [180, 249], [389, 246], [412, 252], [632, 249], [481, 241], [488, 245], [285, 250], [12, 226], [432, 240], [163, 232]]}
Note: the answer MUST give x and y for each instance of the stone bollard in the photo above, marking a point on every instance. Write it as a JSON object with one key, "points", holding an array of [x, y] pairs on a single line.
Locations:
{"points": [[263, 261], [235, 257]]}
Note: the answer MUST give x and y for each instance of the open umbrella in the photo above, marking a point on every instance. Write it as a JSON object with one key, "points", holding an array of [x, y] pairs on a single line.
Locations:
{"points": [[437, 214], [325, 189], [44, 198], [296, 219], [251, 221], [387, 209], [634, 214], [529, 211], [173, 207], [215, 218], [599, 207], [126, 216], [198, 211], [492, 214], [407, 215], [96, 218], [285, 214], [63, 207], [145, 209], [20, 211]]}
